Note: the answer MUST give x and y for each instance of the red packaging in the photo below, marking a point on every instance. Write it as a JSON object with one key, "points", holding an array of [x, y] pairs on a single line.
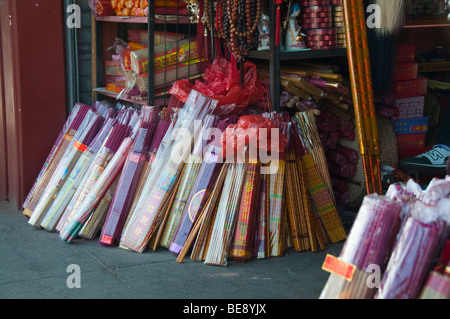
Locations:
{"points": [[405, 71], [411, 140], [411, 88], [405, 53]]}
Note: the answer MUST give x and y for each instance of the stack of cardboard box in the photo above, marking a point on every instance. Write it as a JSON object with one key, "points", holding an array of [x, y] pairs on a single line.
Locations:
{"points": [[409, 123]]}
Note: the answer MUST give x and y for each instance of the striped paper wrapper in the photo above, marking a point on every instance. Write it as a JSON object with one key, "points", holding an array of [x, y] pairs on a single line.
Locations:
{"points": [[110, 171], [244, 235], [411, 259], [225, 219], [62, 200], [94, 223], [78, 108], [166, 170], [83, 136], [118, 210]]}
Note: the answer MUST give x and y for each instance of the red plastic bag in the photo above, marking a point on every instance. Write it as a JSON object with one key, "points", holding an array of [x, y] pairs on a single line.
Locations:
{"points": [[248, 131], [221, 82]]}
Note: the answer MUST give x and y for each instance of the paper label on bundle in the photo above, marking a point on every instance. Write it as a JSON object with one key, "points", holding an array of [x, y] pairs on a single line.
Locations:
{"points": [[195, 204], [339, 267]]}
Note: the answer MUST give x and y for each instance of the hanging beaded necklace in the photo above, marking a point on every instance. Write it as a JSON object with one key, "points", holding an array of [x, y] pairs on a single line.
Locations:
{"points": [[236, 21]]}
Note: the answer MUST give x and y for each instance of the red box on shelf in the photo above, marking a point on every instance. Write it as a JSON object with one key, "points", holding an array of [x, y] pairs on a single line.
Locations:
{"points": [[405, 71], [405, 53], [410, 107], [411, 88], [411, 152], [411, 140]]}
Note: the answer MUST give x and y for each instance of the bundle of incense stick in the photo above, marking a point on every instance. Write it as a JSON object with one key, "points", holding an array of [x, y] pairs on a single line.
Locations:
{"points": [[56, 210], [225, 218], [104, 156], [294, 201], [95, 220], [202, 187], [416, 248], [161, 130], [310, 137], [132, 169], [55, 146], [241, 249], [110, 172], [206, 220], [163, 176], [59, 153], [315, 169], [187, 180], [94, 223], [203, 221], [317, 235], [276, 191], [83, 137], [261, 247], [370, 242], [373, 233]]}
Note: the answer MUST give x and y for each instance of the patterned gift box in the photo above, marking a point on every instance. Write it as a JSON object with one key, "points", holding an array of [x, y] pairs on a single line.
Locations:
{"points": [[411, 107]]}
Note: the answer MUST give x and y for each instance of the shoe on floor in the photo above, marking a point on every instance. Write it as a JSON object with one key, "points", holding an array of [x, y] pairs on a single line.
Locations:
{"points": [[431, 163]]}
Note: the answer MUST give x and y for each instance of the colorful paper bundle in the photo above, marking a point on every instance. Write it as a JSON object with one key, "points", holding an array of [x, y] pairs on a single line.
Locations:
{"points": [[241, 249], [87, 131], [410, 261], [68, 190], [94, 223], [59, 153], [164, 174], [55, 146], [101, 161], [187, 180], [225, 218], [436, 287], [118, 210], [202, 188], [111, 170]]}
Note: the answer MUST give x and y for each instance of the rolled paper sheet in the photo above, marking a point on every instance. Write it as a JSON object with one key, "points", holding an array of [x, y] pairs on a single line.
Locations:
{"points": [[336, 157], [99, 189], [351, 155], [59, 153], [81, 139], [118, 210], [244, 235], [373, 233], [411, 258], [166, 169], [55, 146]]}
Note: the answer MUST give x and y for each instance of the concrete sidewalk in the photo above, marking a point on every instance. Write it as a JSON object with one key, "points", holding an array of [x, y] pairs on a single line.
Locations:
{"points": [[34, 263]]}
